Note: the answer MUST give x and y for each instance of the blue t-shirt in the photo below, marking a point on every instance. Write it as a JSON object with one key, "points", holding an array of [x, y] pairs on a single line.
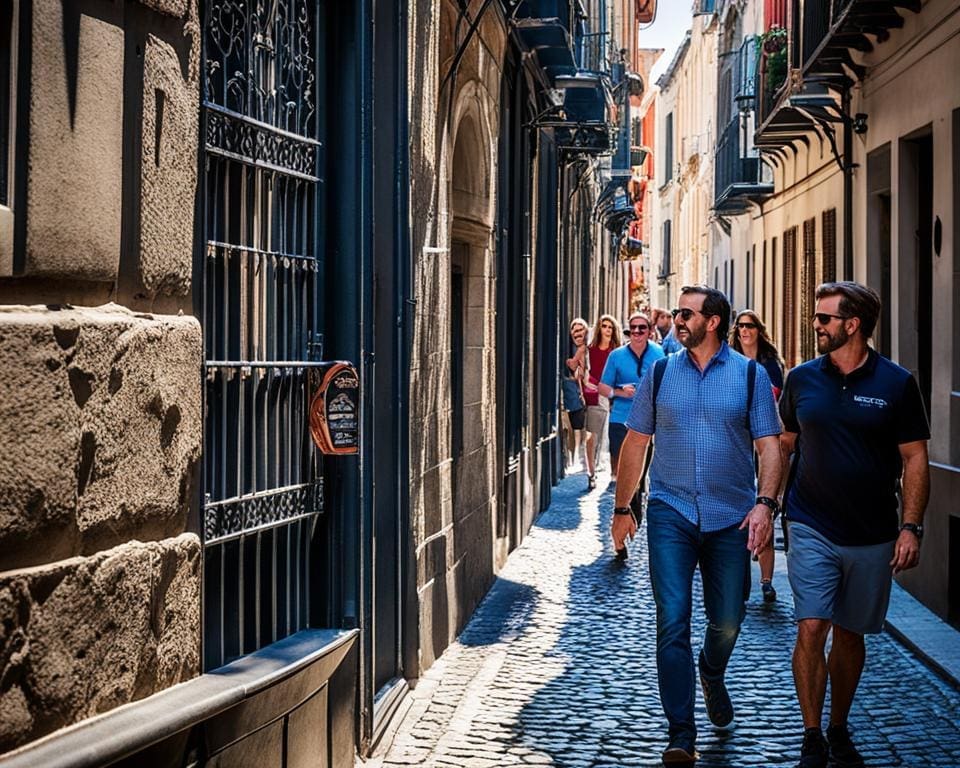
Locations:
{"points": [[847, 464], [671, 344], [622, 369], [703, 454]]}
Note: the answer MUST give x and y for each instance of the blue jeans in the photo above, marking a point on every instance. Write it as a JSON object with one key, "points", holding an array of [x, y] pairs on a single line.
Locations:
{"points": [[675, 548]]}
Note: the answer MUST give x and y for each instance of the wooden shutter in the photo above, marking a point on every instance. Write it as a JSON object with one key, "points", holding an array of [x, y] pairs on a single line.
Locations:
{"points": [[829, 245], [808, 284], [789, 296]]}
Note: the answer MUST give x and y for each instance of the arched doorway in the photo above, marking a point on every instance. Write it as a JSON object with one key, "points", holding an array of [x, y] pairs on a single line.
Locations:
{"points": [[471, 374]]}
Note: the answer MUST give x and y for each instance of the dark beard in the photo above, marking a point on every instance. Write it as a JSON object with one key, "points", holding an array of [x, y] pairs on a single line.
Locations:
{"points": [[829, 343], [693, 338]]}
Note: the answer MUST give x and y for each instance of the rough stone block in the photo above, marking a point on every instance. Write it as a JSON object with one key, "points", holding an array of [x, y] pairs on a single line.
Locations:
{"points": [[176, 8], [74, 175], [100, 418], [88, 634], [168, 172]]}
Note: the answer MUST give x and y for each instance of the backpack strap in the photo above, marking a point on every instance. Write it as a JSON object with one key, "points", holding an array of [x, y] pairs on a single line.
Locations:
{"points": [[659, 368], [751, 383]]}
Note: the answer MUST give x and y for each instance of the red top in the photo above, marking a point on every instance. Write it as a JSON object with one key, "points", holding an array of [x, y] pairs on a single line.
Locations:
{"points": [[598, 359]]}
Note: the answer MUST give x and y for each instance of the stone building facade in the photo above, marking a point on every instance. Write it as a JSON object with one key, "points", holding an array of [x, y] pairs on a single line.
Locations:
{"points": [[100, 408]]}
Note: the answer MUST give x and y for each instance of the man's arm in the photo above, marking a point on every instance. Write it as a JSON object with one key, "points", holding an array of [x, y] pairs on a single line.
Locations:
{"points": [[788, 444], [633, 455], [916, 493], [760, 518]]}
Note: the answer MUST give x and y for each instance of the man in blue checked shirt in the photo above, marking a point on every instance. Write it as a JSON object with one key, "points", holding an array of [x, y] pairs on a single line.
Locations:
{"points": [[703, 506]]}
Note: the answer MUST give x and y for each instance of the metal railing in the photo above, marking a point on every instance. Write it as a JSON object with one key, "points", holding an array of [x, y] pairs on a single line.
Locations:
{"points": [[745, 73], [262, 487], [593, 52], [819, 20], [731, 167]]}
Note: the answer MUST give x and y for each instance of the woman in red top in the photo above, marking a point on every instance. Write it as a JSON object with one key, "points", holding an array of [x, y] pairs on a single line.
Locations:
{"points": [[606, 338]]}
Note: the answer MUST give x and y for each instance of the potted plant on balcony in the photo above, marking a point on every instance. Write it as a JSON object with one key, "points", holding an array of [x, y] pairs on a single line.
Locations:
{"points": [[772, 47]]}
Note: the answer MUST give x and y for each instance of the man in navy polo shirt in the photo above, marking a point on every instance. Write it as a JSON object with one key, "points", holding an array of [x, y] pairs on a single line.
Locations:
{"points": [[703, 507], [856, 424]]}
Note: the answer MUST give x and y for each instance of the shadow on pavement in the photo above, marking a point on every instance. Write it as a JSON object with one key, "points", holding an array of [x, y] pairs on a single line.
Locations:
{"points": [[609, 688]]}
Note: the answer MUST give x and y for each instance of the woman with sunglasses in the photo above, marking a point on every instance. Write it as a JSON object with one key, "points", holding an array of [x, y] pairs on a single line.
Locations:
{"points": [[749, 337], [606, 338]]}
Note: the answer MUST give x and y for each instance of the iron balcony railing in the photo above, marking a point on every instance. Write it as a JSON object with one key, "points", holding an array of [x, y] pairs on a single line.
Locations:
{"points": [[745, 74], [732, 168], [593, 52], [818, 20]]}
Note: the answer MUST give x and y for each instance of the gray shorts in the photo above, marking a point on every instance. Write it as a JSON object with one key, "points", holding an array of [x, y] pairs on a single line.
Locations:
{"points": [[596, 419], [850, 586]]}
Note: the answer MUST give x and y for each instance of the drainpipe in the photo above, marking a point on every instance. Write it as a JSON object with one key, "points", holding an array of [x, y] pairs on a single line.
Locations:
{"points": [[848, 167]]}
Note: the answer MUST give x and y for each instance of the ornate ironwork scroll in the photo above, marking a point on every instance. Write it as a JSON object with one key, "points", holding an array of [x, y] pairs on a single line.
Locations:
{"points": [[261, 61]]}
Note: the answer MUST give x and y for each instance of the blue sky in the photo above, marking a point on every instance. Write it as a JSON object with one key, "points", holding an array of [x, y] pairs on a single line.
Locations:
{"points": [[673, 19]]}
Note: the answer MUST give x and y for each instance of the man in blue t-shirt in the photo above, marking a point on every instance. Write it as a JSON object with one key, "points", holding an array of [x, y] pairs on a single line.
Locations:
{"points": [[703, 507], [621, 376], [855, 424]]}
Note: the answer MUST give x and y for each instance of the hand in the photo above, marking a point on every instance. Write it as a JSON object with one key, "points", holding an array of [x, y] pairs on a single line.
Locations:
{"points": [[628, 390], [622, 527], [589, 387], [760, 523], [906, 552]]}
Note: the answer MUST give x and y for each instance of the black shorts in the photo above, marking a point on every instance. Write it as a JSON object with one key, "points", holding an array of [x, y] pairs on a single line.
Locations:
{"points": [[577, 418]]}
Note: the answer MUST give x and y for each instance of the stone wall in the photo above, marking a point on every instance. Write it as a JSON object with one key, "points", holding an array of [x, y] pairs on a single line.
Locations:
{"points": [[452, 502], [100, 403], [101, 421]]}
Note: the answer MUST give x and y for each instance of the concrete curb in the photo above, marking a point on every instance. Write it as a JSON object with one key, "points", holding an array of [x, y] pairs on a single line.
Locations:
{"points": [[920, 630]]}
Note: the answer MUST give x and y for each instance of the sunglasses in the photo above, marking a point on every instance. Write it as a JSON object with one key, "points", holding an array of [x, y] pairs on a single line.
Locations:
{"points": [[824, 318], [685, 313], [639, 328], [747, 326]]}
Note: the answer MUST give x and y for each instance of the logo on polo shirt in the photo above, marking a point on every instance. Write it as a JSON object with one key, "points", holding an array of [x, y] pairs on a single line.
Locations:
{"points": [[870, 402]]}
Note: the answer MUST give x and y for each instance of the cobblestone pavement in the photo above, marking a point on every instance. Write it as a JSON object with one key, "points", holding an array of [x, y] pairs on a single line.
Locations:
{"points": [[557, 667]]}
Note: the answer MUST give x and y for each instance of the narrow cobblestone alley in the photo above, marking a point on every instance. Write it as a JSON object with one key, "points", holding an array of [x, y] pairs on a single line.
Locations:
{"points": [[557, 667]]}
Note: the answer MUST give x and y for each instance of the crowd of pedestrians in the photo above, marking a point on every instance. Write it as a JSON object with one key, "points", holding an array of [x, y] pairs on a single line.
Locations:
{"points": [[728, 437]]}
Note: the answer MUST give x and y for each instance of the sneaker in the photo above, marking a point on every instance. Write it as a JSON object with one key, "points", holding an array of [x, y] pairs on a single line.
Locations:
{"points": [[769, 593], [842, 751], [680, 751], [715, 696], [814, 752]]}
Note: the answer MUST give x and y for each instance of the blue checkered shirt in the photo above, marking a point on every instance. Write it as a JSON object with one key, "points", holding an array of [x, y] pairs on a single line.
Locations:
{"points": [[703, 458]]}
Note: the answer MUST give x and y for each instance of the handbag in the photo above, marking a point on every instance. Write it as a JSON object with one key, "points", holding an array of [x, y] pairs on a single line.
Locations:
{"points": [[572, 395]]}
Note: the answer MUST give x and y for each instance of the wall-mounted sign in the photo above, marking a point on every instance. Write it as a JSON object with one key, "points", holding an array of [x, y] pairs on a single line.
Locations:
{"points": [[335, 410]]}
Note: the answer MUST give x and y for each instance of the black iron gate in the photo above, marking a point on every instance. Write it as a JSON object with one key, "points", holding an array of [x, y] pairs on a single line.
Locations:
{"points": [[260, 186]]}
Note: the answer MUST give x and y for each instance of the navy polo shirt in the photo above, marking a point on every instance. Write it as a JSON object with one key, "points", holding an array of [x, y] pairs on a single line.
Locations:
{"points": [[847, 464]]}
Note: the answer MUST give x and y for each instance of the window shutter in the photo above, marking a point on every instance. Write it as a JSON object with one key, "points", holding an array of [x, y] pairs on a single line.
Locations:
{"points": [[830, 245], [808, 284], [789, 296]]}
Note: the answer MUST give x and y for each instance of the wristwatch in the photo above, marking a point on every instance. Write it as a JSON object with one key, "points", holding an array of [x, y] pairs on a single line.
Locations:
{"points": [[771, 503], [915, 528], [622, 511]]}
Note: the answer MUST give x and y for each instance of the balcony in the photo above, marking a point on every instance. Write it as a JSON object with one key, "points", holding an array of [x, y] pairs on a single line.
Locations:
{"points": [[585, 126], [614, 209], [544, 26], [818, 51], [738, 181]]}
